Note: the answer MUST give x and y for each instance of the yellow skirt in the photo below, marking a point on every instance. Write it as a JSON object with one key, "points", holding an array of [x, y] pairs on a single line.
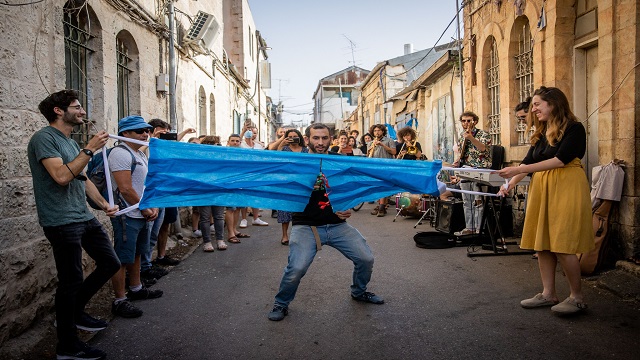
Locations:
{"points": [[558, 214]]}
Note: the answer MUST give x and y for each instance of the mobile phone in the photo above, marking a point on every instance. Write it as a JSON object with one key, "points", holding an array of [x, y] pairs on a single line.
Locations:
{"points": [[169, 136]]}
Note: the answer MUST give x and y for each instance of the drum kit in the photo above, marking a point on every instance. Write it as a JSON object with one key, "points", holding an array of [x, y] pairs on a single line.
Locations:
{"points": [[417, 206]]}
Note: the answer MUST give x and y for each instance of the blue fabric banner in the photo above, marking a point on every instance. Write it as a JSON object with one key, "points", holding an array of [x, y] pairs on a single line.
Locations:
{"points": [[184, 174]]}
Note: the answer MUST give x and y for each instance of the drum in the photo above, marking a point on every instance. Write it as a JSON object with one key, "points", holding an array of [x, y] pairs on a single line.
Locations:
{"points": [[409, 204]]}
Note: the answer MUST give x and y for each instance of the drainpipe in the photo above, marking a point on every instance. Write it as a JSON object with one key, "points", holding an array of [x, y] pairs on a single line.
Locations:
{"points": [[172, 69]]}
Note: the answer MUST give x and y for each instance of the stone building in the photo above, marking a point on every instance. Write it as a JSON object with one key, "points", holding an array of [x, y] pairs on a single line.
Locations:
{"points": [[589, 49], [336, 96], [434, 103], [115, 52], [386, 80]]}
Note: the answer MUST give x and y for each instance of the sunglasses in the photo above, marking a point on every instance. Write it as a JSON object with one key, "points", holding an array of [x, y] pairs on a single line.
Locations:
{"points": [[466, 121], [141, 131]]}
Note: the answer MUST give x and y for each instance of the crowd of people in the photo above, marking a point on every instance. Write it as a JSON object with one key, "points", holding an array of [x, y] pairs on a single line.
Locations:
{"points": [[61, 188]]}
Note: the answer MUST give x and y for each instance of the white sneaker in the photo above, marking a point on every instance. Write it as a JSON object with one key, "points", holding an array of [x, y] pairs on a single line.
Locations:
{"points": [[259, 222], [197, 233], [243, 223]]}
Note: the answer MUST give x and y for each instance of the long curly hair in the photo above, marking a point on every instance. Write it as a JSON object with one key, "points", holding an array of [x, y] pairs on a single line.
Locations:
{"points": [[407, 130], [560, 117]]}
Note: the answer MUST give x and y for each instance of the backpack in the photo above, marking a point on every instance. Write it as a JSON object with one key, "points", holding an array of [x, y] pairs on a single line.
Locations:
{"points": [[95, 173]]}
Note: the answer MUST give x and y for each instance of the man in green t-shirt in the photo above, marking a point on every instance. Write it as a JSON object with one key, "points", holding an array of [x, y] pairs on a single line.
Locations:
{"points": [[60, 190]]}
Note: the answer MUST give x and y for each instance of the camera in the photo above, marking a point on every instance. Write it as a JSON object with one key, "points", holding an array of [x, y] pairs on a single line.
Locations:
{"points": [[169, 136], [294, 140]]}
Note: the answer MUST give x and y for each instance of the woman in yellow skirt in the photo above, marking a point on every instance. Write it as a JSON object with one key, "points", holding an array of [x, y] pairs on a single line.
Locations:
{"points": [[558, 218]]}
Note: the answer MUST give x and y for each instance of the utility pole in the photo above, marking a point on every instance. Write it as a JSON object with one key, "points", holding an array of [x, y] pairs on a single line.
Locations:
{"points": [[341, 109], [460, 56], [172, 69]]}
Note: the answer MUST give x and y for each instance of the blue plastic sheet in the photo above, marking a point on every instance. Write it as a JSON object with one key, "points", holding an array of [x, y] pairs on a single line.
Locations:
{"points": [[183, 174]]}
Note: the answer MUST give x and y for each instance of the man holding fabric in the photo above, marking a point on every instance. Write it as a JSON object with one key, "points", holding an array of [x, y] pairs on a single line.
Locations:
{"points": [[60, 190], [132, 230], [318, 225]]}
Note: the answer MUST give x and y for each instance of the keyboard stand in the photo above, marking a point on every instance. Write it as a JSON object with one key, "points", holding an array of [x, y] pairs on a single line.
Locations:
{"points": [[491, 223]]}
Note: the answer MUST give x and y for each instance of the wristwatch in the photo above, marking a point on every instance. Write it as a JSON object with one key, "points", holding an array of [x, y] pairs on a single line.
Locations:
{"points": [[88, 152]]}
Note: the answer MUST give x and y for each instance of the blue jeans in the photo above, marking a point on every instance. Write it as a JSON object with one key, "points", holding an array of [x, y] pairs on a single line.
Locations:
{"points": [[302, 249], [130, 237], [74, 292], [145, 259], [205, 222]]}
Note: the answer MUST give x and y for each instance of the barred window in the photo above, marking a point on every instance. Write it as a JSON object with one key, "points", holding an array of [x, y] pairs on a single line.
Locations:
{"points": [[202, 108], [493, 85], [76, 56], [123, 78], [524, 76]]}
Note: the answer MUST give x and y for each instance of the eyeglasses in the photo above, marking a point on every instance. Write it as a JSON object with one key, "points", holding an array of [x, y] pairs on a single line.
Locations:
{"points": [[466, 121], [141, 131], [77, 107], [521, 118]]}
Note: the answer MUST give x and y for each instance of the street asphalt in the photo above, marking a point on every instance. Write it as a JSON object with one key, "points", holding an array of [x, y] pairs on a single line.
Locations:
{"points": [[439, 304]]}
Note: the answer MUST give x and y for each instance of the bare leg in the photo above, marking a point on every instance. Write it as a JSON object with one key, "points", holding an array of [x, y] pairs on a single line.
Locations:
{"points": [[547, 262], [195, 219], [571, 266], [243, 211], [163, 235], [228, 220], [256, 213], [117, 281], [285, 233]]}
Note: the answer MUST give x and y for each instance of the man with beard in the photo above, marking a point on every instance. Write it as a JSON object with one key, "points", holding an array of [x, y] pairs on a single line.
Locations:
{"points": [[60, 191], [318, 225]]}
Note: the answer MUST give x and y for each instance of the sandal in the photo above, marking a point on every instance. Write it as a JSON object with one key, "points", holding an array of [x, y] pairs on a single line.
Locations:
{"points": [[207, 247], [284, 242], [242, 236], [222, 245], [233, 240]]}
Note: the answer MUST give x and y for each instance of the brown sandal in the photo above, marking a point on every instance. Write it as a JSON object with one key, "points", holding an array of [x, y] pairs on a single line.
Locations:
{"points": [[242, 236], [234, 240]]}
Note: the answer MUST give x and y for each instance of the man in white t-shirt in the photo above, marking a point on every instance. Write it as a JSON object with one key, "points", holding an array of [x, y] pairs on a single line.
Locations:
{"points": [[132, 230]]}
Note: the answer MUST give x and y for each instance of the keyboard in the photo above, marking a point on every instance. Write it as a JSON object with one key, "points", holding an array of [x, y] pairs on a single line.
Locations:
{"points": [[487, 178]]}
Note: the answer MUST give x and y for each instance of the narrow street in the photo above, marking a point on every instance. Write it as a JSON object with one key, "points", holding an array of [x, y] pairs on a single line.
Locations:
{"points": [[440, 304]]}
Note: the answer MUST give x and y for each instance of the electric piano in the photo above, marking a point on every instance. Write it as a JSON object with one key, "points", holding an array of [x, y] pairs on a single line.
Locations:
{"points": [[486, 177]]}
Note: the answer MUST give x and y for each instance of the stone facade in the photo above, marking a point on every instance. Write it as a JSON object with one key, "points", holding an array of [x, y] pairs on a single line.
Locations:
{"points": [[211, 97], [589, 49]]}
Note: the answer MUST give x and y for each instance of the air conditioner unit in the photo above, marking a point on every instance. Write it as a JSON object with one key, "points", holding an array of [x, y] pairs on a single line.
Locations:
{"points": [[205, 28]]}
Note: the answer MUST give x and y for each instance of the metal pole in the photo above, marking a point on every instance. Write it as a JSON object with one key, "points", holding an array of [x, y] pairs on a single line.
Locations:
{"points": [[172, 69], [460, 56], [341, 109]]}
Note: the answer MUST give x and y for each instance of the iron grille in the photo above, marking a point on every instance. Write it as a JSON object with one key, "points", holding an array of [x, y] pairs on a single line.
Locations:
{"points": [[493, 85], [524, 76], [76, 54], [123, 78]]}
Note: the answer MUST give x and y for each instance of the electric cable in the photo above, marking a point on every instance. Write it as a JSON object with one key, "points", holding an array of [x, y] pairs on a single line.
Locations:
{"points": [[21, 4]]}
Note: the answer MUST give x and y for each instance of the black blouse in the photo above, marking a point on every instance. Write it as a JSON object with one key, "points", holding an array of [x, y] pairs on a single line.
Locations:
{"points": [[573, 145], [400, 147]]}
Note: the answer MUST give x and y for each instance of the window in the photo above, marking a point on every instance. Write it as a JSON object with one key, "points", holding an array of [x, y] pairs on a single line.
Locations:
{"points": [[76, 56], [212, 114], [493, 87], [524, 75], [202, 111], [123, 61]]}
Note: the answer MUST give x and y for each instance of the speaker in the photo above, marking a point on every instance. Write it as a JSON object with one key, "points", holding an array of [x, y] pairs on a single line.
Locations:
{"points": [[450, 216]]}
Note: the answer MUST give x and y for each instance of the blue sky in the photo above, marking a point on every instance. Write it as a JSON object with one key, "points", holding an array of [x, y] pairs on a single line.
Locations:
{"points": [[308, 39]]}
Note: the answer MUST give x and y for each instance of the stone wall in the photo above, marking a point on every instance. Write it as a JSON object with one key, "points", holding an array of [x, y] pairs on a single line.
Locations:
{"points": [[27, 269], [554, 64]]}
